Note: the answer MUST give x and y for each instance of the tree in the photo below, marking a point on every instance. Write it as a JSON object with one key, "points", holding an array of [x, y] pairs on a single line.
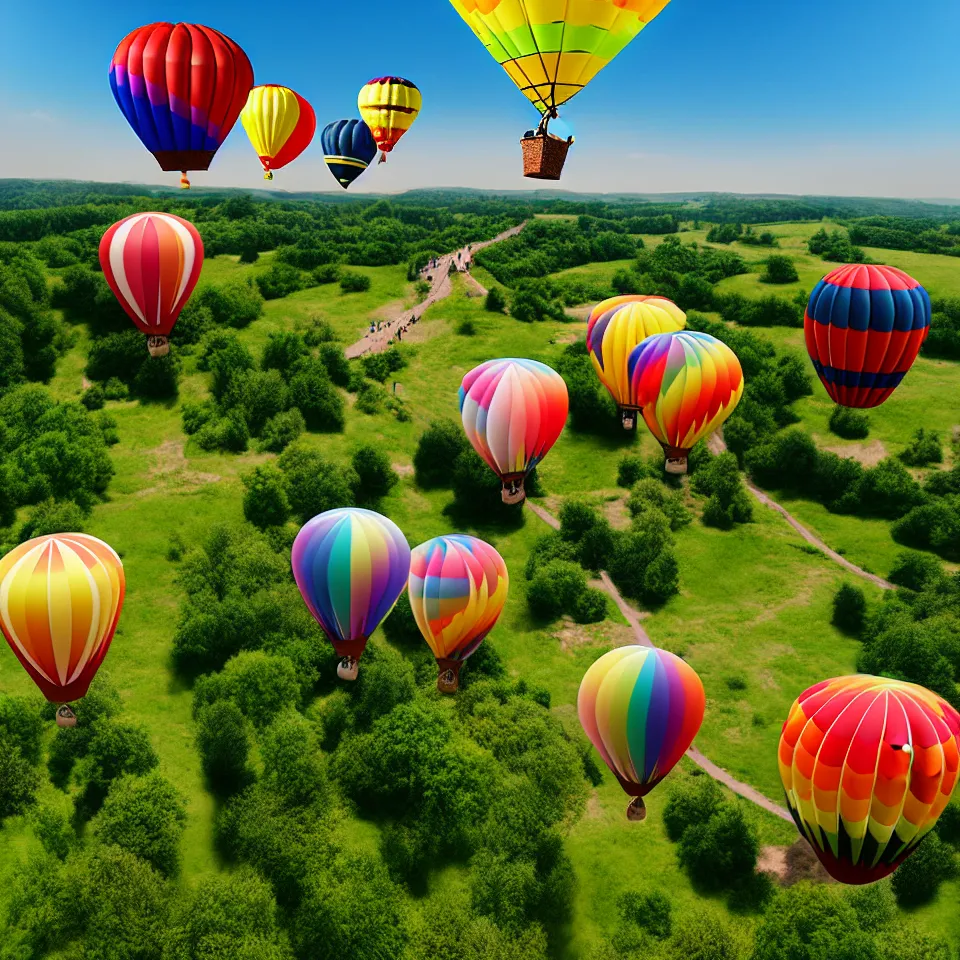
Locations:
{"points": [[279, 280], [556, 589], [158, 378], [224, 745], [691, 801], [265, 502], [284, 351], [114, 749], [704, 936], [146, 816], [923, 450], [914, 570], [282, 430], [352, 282], [52, 827], [849, 609], [437, 449], [849, 423], [314, 484], [375, 474], [19, 781], [780, 269], [292, 761], [93, 397], [495, 301], [918, 878], [233, 304], [649, 493], [335, 360], [315, 396], [53, 516], [728, 503], [263, 395], [723, 851], [630, 469], [661, 579]]}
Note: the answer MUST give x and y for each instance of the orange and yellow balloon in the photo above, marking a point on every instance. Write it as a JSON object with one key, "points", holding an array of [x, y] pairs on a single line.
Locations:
{"points": [[868, 765], [457, 588], [641, 707], [686, 384], [60, 601], [280, 125], [614, 329], [389, 105]]}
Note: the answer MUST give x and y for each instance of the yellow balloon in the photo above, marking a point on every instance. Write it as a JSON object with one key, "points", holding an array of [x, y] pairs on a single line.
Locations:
{"points": [[280, 125], [614, 328], [389, 105]]}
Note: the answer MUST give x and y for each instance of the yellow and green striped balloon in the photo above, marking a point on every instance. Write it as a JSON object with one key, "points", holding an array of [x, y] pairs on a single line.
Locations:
{"points": [[551, 49]]}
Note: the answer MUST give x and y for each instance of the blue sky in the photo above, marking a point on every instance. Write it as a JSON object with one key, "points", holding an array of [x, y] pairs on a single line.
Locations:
{"points": [[826, 96]]}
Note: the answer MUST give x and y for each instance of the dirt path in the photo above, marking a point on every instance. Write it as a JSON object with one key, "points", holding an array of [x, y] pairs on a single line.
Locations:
{"points": [[643, 638], [716, 444], [440, 287]]}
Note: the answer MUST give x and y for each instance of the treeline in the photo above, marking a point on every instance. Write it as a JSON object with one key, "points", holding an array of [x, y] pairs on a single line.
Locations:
{"points": [[924, 234]]}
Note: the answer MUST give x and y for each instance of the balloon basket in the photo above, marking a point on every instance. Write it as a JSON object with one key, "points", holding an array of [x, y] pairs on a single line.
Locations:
{"points": [[348, 668], [513, 492], [65, 716], [676, 466], [544, 156], [628, 420], [636, 810], [448, 679], [158, 346]]}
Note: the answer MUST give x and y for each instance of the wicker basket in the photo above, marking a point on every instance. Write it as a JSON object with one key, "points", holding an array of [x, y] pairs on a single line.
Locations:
{"points": [[543, 157]]}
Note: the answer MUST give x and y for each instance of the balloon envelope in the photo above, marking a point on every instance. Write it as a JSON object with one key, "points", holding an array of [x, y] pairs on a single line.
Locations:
{"points": [[614, 329], [181, 88], [686, 384], [351, 566], [152, 262], [348, 148], [389, 105], [513, 411], [457, 589], [279, 123], [864, 326], [867, 765], [552, 50], [641, 707], [60, 601]]}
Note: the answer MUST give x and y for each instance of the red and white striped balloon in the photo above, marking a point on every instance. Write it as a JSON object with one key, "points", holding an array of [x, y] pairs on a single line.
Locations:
{"points": [[152, 262]]}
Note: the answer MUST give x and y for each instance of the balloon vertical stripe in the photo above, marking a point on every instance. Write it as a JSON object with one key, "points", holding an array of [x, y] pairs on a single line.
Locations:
{"points": [[279, 123], [60, 602]]}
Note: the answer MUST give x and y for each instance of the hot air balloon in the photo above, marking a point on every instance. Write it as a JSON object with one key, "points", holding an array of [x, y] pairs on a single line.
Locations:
{"points": [[641, 707], [280, 125], [685, 384], [551, 51], [614, 328], [181, 87], [868, 764], [389, 105], [60, 601], [351, 566], [152, 262], [457, 589], [864, 326], [348, 148], [513, 411]]}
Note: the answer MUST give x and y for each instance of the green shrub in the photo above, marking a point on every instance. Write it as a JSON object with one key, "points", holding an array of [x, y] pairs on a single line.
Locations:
{"points": [[371, 398], [849, 423], [466, 328], [923, 450], [351, 282], [115, 389], [630, 469], [265, 502], [93, 397], [437, 450], [495, 301], [849, 609], [326, 273], [375, 474], [780, 269], [556, 589], [281, 430], [590, 607], [279, 280]]}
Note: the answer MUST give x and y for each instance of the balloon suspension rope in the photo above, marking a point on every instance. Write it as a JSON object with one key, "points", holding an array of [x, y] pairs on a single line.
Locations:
{"points": [[383, 157], [267, 173], [636, 811], [184, 180]]}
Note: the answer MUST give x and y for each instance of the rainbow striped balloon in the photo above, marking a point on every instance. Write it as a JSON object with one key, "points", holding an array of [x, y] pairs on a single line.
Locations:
{"points": [[60, 602], [686, 385], [641, 707], [351, 566], [513, 411], [457, 589], [867, 765], [615, 327]]}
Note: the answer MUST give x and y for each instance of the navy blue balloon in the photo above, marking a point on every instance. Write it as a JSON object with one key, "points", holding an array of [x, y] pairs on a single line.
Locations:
{"points": [[348, 148]]}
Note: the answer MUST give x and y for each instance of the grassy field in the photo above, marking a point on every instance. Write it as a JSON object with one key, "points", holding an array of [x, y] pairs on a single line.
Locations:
{"points": [[752, 616]]}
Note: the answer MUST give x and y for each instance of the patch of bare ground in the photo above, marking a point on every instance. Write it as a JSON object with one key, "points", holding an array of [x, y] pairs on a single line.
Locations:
{"points": [[421, 331], [171, 469], [389, 311], [572, 635], [85, 383], [403, 469], [581, 312], [802, 864], [617, 513], [594, 811], [567, 338], [773, 860], [869, 454]]}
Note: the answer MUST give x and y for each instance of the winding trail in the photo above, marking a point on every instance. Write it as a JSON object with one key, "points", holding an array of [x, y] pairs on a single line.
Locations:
{"points": [[643, 638], [716, 444], [440, 287]]}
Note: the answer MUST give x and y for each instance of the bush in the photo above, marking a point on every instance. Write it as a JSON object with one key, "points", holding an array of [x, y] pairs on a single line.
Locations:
{"points": [[335, 360], [556, 589], [915, 570], [53, 516], [265, 502], [729, 502], [313, 394], [351, 282], [590, 606], [158, 378], [19, 781], [661, 579], [93, 397], [236, 303], [650, 911], [495, 301], [466, 328], [326, 273], [279, 280], [650, 493], [691, 801], [371, 398], [115, 389], [224, 746], [849, 609], [722, 852], [376, 476], [918, 878], [437, 449], [282, 430], [630, 469], [849, 423], [284, 351], [780, 269], [313, 483], [924, 449]]}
